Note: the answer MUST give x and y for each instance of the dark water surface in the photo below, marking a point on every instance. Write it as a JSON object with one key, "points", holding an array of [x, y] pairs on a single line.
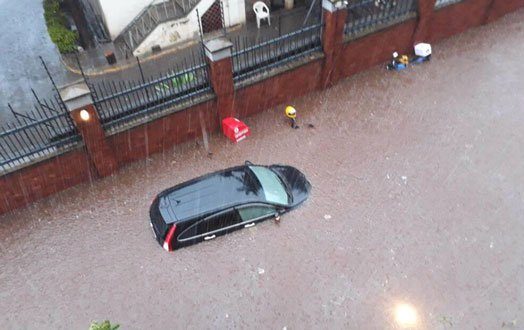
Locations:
{"points": [[24, 37]]}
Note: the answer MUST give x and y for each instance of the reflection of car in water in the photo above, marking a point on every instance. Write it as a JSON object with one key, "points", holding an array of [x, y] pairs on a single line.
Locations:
{"points": [[221, 202]]}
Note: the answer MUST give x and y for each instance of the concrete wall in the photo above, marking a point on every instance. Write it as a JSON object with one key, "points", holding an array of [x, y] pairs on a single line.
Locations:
{"points": [[187, 28], [119, 13], [170, 33], [234, 12]]}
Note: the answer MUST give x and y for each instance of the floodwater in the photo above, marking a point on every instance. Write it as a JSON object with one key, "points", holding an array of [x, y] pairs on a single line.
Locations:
{"points": [[24, 38], [417, 197]]}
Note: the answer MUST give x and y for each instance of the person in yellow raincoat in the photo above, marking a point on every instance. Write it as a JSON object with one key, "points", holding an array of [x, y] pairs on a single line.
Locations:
{"points": [[291, 113]]}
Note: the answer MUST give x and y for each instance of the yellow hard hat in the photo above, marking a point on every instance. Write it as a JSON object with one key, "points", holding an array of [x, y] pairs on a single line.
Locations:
{"points": [[291, 112]]}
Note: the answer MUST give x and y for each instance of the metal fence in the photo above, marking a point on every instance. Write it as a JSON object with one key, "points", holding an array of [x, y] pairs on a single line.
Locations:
{"points": [[212, 22], [443, 3], [122, 102], [368, 15], [251, 60], [36, 134]]}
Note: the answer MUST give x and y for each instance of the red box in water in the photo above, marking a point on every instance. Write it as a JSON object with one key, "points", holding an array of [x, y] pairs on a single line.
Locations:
{"points": [[234, 129]]}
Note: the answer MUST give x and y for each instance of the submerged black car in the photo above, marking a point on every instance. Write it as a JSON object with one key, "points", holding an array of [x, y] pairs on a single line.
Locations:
{"points": [[224, 201]]}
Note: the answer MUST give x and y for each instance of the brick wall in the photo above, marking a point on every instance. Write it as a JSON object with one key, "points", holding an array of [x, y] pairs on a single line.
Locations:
{"points": [[53, 175], [502, 7], [362, 53], [277, 90], [161, 134], [40, 180], [454, 19]]}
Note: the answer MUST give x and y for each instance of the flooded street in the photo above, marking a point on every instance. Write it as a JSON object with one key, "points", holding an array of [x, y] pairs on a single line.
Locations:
{"points": [[418, 197], [24, 37]]}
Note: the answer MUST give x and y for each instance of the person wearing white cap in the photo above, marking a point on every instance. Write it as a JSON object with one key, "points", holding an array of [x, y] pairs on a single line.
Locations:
{"points": [[399, 61], [395, 59]]}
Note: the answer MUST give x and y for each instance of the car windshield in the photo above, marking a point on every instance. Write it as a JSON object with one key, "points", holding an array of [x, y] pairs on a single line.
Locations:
{"points": [[274, 190]]}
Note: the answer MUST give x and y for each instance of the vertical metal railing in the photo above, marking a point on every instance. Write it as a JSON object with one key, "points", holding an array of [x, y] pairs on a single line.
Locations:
{"points": [[120, 103], [36, 134], [293, 34], [249, 60], [365, 16]]}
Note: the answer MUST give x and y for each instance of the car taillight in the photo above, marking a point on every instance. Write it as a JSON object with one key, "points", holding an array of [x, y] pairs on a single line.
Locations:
{"points": [[169, 237]]}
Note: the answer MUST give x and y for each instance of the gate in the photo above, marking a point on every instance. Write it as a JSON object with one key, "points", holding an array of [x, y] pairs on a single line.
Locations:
{"points": [[212, 20]]}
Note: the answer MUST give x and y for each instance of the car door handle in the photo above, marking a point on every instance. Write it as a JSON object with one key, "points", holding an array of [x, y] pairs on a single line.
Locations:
{"points": [[207, 238], [249, 225]]}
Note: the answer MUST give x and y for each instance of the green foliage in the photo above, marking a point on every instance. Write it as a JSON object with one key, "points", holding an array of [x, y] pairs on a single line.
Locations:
{"points": [[65, 39], [176, 82], [106, 325]]}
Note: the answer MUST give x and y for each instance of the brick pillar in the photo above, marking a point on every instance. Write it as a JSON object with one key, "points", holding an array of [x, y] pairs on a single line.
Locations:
{"points": [[218, 53], [335, 15], [79, 102], [426, 9]]}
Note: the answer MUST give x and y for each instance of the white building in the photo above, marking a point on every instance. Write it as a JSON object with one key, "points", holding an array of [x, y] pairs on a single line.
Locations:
{"points": [[139, 25]]}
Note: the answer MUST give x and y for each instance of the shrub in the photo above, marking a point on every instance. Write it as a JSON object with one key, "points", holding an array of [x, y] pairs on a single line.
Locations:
{"points": [[106, 325], [65, 39]]}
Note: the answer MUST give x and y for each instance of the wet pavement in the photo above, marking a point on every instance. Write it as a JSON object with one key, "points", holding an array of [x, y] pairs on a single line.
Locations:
{"points": [[24, 38], [184, 56], [418, 197]]}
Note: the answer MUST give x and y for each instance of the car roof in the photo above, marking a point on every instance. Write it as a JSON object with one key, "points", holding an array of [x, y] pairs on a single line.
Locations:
{"points": [[210, 193]]}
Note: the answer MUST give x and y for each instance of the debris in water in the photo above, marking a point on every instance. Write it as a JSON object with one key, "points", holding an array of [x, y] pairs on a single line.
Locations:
{"points": [[261, 271], [327, 217], [511, 324], [446, 321]]}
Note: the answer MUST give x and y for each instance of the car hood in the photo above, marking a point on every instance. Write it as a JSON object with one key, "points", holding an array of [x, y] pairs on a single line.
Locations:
{"points": [[295, 181]]}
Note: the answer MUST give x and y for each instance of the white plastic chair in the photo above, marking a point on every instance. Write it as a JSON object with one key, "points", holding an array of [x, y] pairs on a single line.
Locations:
{"points": [[262, 12]]}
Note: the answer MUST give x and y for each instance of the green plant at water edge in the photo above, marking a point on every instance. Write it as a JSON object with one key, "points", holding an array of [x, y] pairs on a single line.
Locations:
{"points": [[176, 82], [65, 39], [106, 325]]}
